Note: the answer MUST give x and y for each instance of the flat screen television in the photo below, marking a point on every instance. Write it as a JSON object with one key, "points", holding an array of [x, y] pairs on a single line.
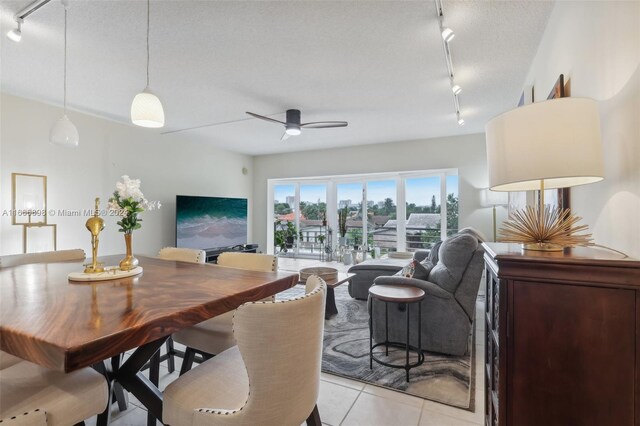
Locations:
{"points": [[210, 222]]}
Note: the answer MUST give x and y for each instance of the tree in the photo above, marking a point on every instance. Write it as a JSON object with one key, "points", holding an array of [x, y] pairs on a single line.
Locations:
{"points": [[433, 204], [452, 214], [282, 209], [389, 206]]}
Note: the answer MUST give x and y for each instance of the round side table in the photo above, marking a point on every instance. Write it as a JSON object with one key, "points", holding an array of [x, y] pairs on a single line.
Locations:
{"points": [[396, 294]]}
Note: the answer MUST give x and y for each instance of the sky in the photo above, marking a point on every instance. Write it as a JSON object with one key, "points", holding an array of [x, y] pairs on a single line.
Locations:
{"points": [[418, 190]]}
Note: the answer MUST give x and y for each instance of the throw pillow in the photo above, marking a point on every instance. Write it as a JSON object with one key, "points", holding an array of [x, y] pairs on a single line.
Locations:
{"points": [[433, 254], [454, 256], [415, 269]]}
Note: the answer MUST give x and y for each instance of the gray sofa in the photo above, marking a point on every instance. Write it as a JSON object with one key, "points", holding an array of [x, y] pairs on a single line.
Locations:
{"points": [[448, 308]]}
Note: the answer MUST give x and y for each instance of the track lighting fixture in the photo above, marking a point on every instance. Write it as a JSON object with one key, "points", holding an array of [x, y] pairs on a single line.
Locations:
{"points": [[448, 34], [16, 33]]}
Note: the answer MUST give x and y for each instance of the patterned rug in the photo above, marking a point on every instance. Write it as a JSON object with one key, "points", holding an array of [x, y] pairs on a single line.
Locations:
{"points": [[442, 378]]}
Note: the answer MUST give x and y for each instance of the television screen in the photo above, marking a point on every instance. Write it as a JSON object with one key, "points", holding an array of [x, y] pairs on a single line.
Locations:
{"points": [[210, 222]]}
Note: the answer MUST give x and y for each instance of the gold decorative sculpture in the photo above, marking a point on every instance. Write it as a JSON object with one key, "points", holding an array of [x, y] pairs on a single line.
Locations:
{"points": [[95, 224]]}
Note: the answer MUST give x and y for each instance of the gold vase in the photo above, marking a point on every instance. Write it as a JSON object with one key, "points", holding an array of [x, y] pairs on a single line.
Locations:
{"points": [[129, 262]]}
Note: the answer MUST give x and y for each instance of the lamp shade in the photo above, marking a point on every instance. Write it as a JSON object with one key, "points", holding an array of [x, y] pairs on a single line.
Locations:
{"points": [[64, 133], [556, 141], [146, 110]]}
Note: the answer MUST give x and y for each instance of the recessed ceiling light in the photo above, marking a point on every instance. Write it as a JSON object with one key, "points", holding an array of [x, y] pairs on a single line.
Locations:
{"points": [[456, 89], [448, 34]]}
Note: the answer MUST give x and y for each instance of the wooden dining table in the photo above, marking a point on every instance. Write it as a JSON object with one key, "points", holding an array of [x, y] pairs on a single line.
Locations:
{"points": [[66, 325]]}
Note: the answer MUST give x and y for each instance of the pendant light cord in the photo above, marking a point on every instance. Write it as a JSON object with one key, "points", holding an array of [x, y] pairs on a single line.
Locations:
{"points": [[148, 7], [65, 60]]}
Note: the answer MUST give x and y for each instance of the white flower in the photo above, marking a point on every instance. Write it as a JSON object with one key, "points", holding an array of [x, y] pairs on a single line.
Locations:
{"points": [[150, 205], [129, 188]]}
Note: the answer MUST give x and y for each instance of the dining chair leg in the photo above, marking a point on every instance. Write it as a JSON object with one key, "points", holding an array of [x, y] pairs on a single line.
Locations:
{"points": [[187, 361], [154, 377], [104, 418], [79, 424], [171, 361], [314, 417]]}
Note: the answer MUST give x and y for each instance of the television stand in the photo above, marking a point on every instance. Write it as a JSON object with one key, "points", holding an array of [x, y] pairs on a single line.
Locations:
{"points": [[212, 254]]}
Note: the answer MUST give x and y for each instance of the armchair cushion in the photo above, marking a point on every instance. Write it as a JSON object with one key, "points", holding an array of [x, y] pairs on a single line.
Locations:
{"points": [[453, 257]]}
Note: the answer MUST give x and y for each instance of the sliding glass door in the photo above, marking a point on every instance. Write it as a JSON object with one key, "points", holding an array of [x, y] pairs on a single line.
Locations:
{"points": [[381, 225], [377, 214]]}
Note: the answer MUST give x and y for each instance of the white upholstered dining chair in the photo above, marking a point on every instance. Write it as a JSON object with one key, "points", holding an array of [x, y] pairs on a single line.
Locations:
{"points": [[271, 378], [8, 261], [183, 254], [180, 255], [215, 335], [34, 395], [43, 257]]}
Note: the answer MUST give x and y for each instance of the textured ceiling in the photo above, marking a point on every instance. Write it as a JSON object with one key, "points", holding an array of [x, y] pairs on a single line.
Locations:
{"points": [[377, 64]]}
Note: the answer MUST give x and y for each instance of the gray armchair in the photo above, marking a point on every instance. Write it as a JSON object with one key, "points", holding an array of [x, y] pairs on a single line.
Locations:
{"points": [[448, 308]]}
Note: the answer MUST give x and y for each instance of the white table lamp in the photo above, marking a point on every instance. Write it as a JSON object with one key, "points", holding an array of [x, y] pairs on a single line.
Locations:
{"points": [[545, 145]]}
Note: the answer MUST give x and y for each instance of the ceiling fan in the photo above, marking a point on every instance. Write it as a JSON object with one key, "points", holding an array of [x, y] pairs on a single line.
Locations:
{"points": [[293, 127]]}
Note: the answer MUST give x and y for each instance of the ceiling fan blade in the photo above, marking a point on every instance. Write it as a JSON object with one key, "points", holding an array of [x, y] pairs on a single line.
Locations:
{"points": [[262, 117], [324, 124], [285, 136]]}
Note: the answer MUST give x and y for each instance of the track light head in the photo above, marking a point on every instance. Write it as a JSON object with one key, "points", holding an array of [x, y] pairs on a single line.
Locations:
{"points": [[456, 89], [460, 119], [16, 33], [448, 34]]}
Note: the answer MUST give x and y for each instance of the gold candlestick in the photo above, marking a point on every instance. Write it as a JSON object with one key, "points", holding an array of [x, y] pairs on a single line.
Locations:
{"points": [[95, 224]]}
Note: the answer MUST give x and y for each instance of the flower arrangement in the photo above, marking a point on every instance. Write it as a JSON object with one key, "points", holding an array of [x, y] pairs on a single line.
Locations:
{"points": [[128, 201]]}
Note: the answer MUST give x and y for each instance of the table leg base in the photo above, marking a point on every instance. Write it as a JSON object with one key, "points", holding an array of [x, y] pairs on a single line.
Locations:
{"points": [[407, 366], [330, 308]]}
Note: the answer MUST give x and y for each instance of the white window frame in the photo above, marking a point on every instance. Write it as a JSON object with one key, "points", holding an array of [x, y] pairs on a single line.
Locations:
{"points": [[332, 182]]}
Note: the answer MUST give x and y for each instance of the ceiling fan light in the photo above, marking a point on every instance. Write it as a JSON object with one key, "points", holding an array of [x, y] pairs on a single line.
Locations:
{"points": [[293, 130], [448, 34], [64, 133], [146, 110], [456, 89]]}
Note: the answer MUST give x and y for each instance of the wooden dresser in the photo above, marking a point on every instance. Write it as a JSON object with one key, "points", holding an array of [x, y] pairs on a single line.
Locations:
{"points": [[562, 337]]}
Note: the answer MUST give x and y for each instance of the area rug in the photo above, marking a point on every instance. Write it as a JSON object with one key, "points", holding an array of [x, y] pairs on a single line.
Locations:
{"points": [[442, 378]]}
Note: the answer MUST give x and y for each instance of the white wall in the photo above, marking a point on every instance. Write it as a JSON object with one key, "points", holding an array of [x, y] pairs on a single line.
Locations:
{"points": [[466, 153], [596, 45], [166, 164]]}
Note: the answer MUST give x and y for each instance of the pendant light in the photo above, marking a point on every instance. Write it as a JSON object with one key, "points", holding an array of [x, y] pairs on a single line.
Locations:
{"points": [[146, 108], [63, 132]]}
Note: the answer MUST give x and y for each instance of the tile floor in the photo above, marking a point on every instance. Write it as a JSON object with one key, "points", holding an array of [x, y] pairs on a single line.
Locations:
{"points": [[345, 402]]}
